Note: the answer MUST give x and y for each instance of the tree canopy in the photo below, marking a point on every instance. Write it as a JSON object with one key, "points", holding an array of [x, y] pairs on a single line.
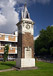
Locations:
{"points": [[6, 52], [44, 43]]}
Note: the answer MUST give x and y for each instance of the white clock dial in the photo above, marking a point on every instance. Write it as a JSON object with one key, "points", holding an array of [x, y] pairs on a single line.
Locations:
{"points": [[27, 26]]}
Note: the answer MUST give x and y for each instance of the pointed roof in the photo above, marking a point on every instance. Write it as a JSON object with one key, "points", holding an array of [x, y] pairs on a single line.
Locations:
{"points": [[25, 13]]}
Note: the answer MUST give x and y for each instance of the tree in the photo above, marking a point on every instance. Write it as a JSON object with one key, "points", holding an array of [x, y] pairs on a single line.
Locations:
{"points": [[45, 40], [51, 50], [6, 52], [43, 51]]}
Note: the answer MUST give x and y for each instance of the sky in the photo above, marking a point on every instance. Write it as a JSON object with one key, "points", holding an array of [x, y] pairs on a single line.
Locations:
{"points": [[41, 12]]}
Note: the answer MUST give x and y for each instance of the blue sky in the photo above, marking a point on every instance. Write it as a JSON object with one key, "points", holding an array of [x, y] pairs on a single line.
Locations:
{"points": [[41, 12], [42, 15]]}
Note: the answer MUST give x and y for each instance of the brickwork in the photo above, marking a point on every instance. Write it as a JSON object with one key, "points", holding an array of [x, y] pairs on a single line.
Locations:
{"points": [[25, 40], [11, 50], [11, 38], [2, 49], [2, 37]]}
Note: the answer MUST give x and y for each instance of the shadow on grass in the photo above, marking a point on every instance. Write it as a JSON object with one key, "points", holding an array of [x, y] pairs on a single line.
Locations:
{"points": [[8, 64]]}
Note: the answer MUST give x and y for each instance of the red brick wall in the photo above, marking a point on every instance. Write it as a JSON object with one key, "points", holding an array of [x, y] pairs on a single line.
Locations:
{"points": [[2, 37], [25, 40], [11, 38]]}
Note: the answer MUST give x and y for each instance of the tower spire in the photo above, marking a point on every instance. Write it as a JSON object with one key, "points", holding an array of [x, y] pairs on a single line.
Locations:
{"points": [[25, 13]]}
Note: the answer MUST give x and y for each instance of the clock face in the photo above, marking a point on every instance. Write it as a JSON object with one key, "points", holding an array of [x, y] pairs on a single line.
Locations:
{"points": [[28, 26]]}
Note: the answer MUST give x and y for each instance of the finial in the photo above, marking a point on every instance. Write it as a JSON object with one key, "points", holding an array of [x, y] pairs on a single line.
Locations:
{"points": [[25, 4]]}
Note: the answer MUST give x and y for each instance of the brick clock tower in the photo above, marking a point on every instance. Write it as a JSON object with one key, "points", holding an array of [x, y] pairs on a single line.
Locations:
{"points": [[25, 41]]}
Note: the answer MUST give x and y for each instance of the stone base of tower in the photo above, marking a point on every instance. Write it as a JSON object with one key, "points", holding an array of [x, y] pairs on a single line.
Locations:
{"points": [[25, 62]]}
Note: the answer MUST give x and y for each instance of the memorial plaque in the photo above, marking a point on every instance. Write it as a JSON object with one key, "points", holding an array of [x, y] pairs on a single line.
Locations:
{"points": [[28, 53]]}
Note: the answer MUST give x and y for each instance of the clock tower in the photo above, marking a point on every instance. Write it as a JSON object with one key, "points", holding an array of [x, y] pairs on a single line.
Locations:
{"points": [[25, 41]]}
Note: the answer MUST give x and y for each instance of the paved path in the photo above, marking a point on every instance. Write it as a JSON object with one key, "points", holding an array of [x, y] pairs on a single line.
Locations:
{"points": [[18, 69], [5, 70]]}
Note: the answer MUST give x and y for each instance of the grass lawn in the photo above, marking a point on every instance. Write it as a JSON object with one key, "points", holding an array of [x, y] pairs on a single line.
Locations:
{"points": [[45, 69], [7, 65]]}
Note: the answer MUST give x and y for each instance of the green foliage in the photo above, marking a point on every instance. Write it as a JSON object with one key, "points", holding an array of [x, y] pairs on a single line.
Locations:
{"points": [[51, 50], [7, 64], [45, 40], [43, 51], [6, 52]]}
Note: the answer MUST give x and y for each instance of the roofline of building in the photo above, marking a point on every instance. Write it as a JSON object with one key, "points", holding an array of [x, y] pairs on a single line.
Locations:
{"points": [[8, 41], [7, 34], [8, 53]]}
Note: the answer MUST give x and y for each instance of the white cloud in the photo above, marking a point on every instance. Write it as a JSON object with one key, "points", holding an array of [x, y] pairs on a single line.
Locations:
{"points": [[36, 37], [9, 16], [3, 20]]}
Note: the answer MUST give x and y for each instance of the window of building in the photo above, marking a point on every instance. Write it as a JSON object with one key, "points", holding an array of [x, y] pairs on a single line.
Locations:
{"points": [[1, 56], [15, 48], [0, 48], [1, 35], [6, 37], [12, 36], [0, 43], [10, 44], [11, 48]]}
